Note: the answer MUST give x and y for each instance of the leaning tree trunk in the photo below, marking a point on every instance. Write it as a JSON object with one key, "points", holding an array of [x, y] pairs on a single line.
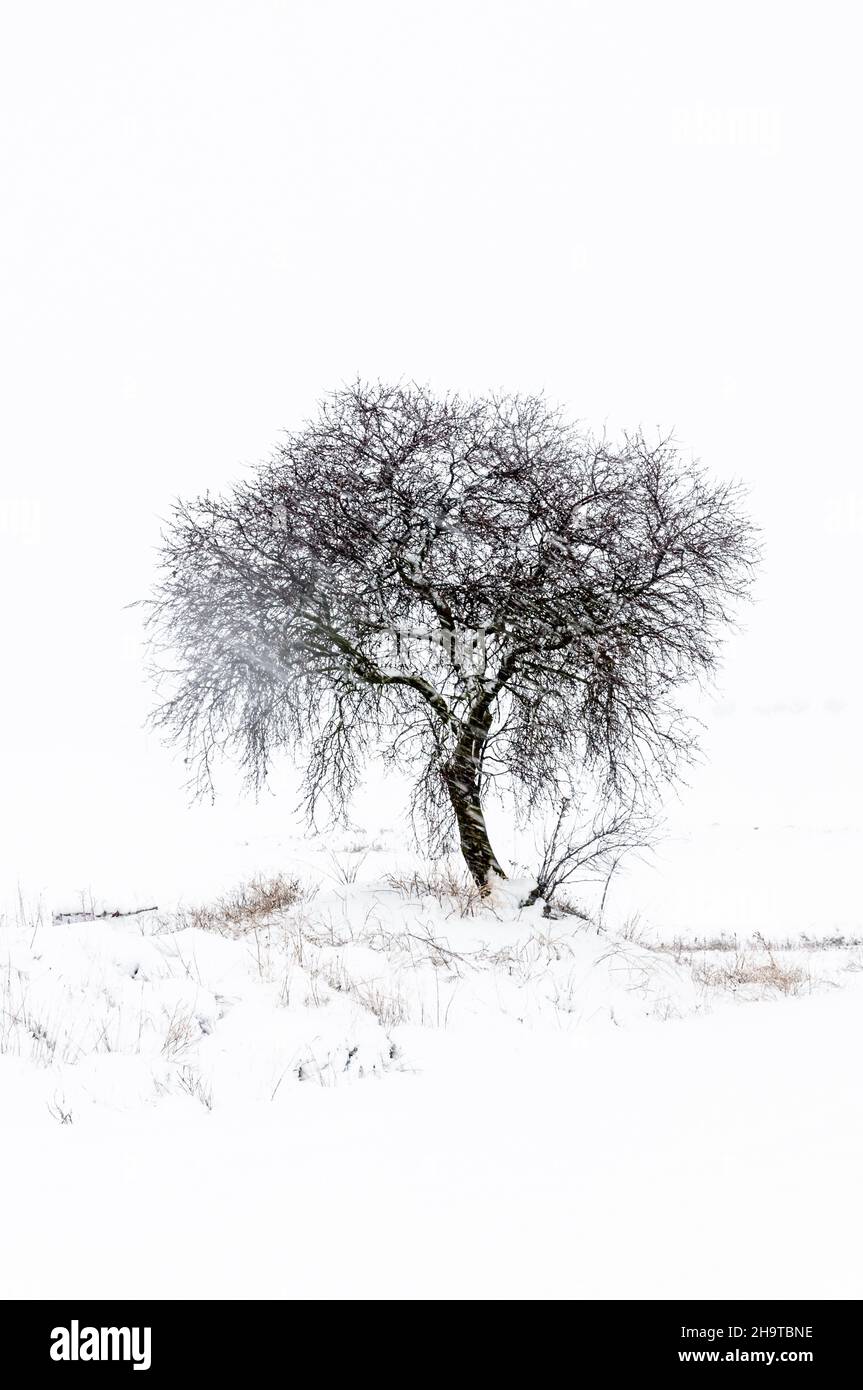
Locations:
{"points": [[461, 779]]}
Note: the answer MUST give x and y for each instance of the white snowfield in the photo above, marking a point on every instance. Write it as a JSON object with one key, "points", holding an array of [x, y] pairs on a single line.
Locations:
{"points": [[336, 1087]]}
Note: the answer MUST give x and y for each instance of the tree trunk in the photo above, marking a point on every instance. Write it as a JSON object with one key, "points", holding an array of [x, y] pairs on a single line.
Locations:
{"points": [[461, 779]]}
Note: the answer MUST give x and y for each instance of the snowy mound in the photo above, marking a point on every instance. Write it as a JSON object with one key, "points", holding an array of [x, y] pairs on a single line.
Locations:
{"points": [[324, 1090]]}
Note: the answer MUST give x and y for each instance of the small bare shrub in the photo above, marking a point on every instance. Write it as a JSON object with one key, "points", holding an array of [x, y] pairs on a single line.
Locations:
{"points": [[586, 847]]}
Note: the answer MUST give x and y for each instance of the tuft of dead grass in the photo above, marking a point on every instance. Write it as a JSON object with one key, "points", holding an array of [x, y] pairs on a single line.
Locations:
{"points": [[449, 888], [244, 908], [181, 1033], [744, 971], [564, 905]]}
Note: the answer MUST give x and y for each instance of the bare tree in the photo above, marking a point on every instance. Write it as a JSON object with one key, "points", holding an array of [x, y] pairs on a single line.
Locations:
{"points": [[476, 589]]}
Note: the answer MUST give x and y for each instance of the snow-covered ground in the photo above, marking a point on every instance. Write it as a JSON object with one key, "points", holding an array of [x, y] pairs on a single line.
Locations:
{"points": [[356, 1080], [352, 1086], [215, 214]]}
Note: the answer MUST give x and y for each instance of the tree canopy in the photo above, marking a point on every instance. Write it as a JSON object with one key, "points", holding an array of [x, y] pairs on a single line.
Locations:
{"points": [[477, 590]]}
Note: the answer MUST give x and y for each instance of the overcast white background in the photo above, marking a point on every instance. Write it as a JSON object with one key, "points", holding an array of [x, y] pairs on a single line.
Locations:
{"points": [[214, 212]]}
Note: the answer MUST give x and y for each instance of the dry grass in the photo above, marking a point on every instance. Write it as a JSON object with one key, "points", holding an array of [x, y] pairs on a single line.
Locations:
{"points": [[188, 1082], [346, 871], [563, 905], [684, 947], [633, 931], [449, 888], [744, 971], [23, 1034], [182, 1032], [245, 907]]}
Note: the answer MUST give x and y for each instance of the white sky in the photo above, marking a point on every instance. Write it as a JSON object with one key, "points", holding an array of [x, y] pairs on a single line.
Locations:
{"points": [[215, 211]]}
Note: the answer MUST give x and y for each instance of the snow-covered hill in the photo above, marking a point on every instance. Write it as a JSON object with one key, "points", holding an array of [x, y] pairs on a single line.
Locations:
{"points": [[328, 1083]]}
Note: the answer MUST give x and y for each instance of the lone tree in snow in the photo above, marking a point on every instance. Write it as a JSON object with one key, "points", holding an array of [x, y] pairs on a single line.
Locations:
{"points": [[475, 589]]}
